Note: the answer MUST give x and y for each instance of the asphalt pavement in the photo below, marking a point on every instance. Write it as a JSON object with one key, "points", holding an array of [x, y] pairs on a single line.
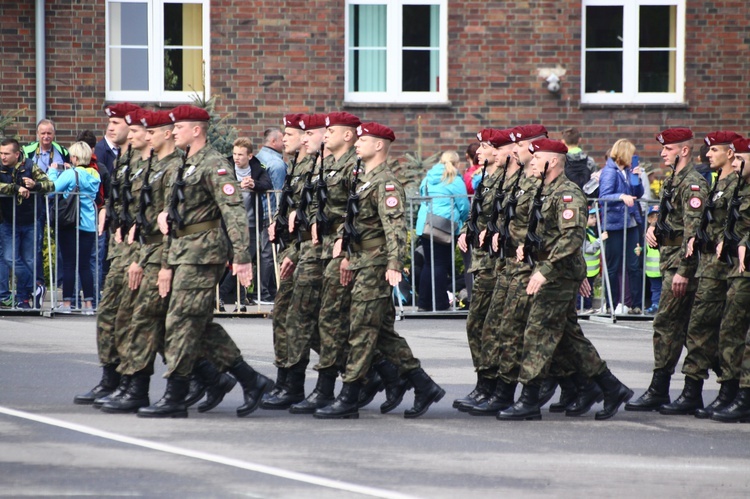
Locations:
{"points": [[51, 447]]}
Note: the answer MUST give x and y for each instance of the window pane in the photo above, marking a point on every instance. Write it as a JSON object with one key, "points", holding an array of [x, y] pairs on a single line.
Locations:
{"points": [[183, 24], [603, 27], [420, 69], [128, 24], [657, 24], [183, 70], [420, 26], [603, 71], [128, 69], [656, 71], [183, 27], [367, 48]]}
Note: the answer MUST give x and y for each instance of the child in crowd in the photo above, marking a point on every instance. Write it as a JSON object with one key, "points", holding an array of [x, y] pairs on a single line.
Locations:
{"points": [[653, 274], [592, 253]]}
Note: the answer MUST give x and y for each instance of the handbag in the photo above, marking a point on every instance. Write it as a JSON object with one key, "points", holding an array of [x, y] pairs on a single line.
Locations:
{"points": [[438, 229], [64, 214]]}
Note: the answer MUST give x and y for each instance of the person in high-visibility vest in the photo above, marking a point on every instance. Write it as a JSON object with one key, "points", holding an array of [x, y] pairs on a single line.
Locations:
{"points": [[653, 274], [592, 253]]}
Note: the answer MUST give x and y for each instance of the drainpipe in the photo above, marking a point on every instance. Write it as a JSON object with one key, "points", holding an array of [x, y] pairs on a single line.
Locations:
{"points": [[41, 70]]}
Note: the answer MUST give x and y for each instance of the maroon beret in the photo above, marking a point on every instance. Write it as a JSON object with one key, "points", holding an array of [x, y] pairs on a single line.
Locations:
{"points": [[674, 136], [501, 138], [741, 145], [155, 119], [135, 116], [527, 132], [548, 145], [292, 120], [189, 113], [486, 134], [120, 110], [376, 130], [312, 121], [342, 119], [721, 138]]}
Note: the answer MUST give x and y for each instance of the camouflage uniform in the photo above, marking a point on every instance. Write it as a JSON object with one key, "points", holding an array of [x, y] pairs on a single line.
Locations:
{"points": [[671, 321], [382, 227], [561, 263], [702, 338], [198, 254]]}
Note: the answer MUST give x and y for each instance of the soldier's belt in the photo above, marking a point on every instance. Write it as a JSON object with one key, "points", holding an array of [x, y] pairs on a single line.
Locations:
{"points": [[677, 241], [305, 235], [196, 228], [369, 244], [154, 239], [335, 228], [542, 256]]}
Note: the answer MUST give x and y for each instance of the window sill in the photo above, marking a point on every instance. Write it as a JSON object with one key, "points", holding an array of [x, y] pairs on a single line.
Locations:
{"points": [[398, 105], [644, 106]]}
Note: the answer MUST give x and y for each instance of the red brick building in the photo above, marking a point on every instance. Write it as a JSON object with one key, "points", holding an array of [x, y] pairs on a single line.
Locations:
{"points": [[460, 65]]}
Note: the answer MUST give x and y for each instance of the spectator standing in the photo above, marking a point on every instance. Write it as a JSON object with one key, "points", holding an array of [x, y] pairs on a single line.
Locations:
{"points": [[473, 167], [45, 152], [442, 181], [619, 188], [77, 242], [592, 254], [653, 274], [578, 165]]}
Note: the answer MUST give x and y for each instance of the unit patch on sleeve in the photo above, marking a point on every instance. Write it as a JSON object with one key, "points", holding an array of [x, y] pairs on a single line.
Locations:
{"points": [[391, 201], [696, 203], [228, 189]]}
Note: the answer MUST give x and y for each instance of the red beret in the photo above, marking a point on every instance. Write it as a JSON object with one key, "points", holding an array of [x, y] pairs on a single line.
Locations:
{"points": [[376, 130], [527, 132], [501, 138], [188, 113], [741, 145], [292, 120], [486, 134], [120, 110], [548, 145], [343, 119], [312, 121], [155, 119], [674, 136], [135, 116], [721, 138]]}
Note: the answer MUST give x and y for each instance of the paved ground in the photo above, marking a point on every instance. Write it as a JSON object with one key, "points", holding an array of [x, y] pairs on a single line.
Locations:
{"points": [[51, 447]]}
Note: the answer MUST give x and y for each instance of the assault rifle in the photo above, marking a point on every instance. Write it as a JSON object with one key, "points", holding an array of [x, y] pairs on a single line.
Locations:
{"points": [[142, 226], [510, 210], [731, 238], [497, 207], [533, 242], [663, 229], [126, 221], [111, 219], [351, 235], [472, 230], [321, 192], [286, 201], [178, 196], [302, 222], [702, 238]]}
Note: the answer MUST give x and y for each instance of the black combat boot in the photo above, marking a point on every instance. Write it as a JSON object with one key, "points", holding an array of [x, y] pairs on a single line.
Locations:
{"points": [[547, 390], [426, 393], [371, 386], [483, 390], [108, 383], [135, 397], [345, 405], [119, 392], [322, 395], [615, 394], [727, 393], [253, 384], [527, 407], [501, 399], [689, 401], [197, 390], [568, 393], [292, 392], [172, 404], [656, 396], [281, 374], [588, 393], [737, 411], [395, 385], [217, 384]]}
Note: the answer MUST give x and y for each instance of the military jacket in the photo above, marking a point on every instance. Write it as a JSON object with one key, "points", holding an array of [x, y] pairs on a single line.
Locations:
{"points": [[115, 249], [690, 192], [338, 175], [307, 250], [517, 227], [742, 228], [709, 265], [480, 259], [211, 193], [563, 230], [381, 215]]}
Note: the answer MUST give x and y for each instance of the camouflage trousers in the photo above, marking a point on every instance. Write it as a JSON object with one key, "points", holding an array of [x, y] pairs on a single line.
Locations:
{"points": [[190, 332], [122, 321], [671, 322], [106, 344], [547, 335], [515, 312], [372, 320], [702, 339], [280, 308], [302, 316], [481, 296], [734, 348], [147, 326], [490, 337], [333, 322]]}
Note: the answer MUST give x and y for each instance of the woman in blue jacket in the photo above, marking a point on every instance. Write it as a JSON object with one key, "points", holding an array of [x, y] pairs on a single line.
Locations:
{"points": [[76, 243], [448, 199], [620, 186]]}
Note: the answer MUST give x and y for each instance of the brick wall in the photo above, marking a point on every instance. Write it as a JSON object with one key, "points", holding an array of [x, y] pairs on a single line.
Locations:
{"points": [[270, 58]]}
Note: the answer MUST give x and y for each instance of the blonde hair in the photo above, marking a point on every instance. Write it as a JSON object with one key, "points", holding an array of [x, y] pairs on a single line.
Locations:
{"points": [[450, 160], [82, 152], [622, 152]]}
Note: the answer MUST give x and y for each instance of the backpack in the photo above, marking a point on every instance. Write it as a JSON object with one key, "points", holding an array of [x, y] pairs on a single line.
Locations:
{"points": [[577, 170]]}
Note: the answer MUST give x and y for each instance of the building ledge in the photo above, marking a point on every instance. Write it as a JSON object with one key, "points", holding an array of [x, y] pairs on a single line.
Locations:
{"points": [[649, 106], [398, 105]]}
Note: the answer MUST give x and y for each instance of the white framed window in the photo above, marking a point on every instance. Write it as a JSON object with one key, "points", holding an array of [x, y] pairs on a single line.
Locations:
{"points": [[157, 50], [396, 51], [633, 52]]}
